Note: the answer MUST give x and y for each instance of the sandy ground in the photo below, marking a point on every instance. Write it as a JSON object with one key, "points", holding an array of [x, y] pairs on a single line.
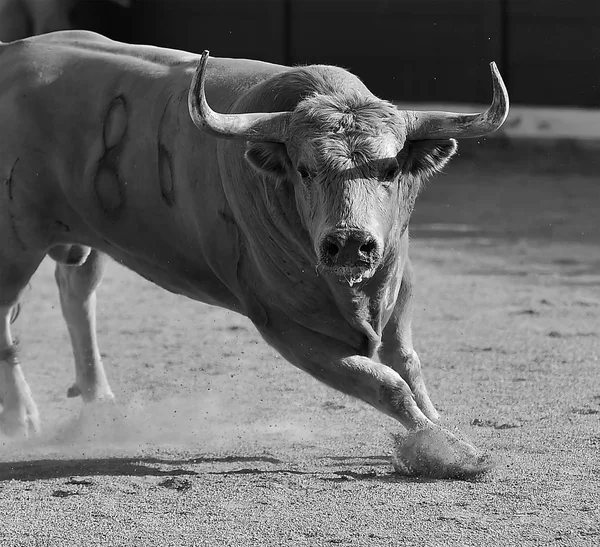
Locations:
{"points": [[215, 440]]}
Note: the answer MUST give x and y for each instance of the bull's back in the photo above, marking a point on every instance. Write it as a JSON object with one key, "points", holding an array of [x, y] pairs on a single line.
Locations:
{"points": [[90, 64]]}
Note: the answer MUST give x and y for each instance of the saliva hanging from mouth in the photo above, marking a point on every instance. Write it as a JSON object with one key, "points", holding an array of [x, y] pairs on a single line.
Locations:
{"points": [[353, 275]]}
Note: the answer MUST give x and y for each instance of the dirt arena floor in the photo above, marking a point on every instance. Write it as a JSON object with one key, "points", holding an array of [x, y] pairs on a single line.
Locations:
{"points": [[216, 441]]}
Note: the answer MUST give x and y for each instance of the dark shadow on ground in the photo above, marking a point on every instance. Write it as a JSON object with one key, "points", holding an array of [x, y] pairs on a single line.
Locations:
{"points": [[133, 466]]}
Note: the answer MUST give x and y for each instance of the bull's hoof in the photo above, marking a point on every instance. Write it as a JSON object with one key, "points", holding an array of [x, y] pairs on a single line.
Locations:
{"points": [[97, 394], [435, 453], [73, 391]]}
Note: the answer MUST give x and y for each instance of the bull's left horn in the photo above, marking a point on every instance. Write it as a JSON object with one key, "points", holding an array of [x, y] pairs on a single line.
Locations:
{"points": [[445, 125], [262, 127]]}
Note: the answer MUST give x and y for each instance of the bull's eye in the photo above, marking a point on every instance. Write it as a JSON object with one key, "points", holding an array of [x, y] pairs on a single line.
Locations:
{"points": [[303, 172], [391, 172]]}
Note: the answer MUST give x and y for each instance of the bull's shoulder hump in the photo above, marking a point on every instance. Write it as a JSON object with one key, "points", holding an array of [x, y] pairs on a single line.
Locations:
{"points": [[242, 68], [70, 36]]}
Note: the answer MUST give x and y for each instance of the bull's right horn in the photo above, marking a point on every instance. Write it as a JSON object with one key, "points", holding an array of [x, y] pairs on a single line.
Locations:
{"points": [[255, 126], [446, 125]]}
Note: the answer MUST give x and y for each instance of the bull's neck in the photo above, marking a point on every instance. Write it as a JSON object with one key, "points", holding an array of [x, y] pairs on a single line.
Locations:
{"points": [[279, 249], [276, 237]]}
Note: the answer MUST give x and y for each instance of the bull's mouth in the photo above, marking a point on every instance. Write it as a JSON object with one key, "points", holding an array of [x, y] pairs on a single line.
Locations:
{"points": [[352, 275]]}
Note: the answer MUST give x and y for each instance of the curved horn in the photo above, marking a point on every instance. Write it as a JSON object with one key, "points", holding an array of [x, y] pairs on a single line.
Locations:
{"points": [[445, 125], [269, 126]]}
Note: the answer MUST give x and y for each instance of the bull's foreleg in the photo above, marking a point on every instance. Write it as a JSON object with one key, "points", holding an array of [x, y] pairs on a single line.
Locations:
{"points": [[397, 349], [19, 414], [77, 286], [334, 364], [428, 449]]}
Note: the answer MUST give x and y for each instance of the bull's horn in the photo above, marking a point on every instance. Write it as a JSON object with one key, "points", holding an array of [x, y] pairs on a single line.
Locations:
{"points": [[264, 127], [445, 125]]}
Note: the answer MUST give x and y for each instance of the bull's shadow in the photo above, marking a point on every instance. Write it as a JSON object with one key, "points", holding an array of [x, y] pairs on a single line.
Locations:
{"points": [[33, 470]]}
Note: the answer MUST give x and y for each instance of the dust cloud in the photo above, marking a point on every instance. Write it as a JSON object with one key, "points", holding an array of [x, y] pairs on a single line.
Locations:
{"points": [[434, 452], [140, 426]]}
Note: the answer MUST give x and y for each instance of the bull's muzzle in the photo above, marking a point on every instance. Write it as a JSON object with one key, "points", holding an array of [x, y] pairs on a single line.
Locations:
{"points": [[350, 254]]}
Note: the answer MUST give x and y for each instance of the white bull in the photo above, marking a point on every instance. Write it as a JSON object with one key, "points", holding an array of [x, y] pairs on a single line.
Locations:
{"points": [[290, 207]]}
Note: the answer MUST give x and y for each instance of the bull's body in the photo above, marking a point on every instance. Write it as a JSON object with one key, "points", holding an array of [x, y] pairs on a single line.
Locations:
{"points": [[98, 150], [111, 159]]}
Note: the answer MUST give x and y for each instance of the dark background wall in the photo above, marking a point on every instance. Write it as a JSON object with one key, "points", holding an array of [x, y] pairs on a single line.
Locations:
{"points": [[412, 50]]}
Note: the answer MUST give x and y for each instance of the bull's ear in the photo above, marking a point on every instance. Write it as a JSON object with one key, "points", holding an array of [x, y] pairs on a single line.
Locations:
{"points": [[269, 158], [425, 158]]}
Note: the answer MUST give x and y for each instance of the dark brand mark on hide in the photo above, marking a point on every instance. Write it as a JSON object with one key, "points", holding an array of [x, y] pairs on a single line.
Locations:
{"points": [[9, 180], [165, 162], [109, 190], [108, 185], [115, 123], [165, 175], [9, 190]]}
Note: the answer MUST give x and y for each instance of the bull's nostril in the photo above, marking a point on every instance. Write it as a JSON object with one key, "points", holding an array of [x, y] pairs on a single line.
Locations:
{"points": [[368, 248], [330, 248]]}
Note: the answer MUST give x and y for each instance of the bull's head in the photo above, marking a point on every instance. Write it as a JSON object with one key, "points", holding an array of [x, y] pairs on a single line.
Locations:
{"points": [[356, 163]]}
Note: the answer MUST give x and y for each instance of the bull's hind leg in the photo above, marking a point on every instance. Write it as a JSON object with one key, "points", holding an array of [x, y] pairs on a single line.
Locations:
{"points": [[78, 273], [397, 350], [19, 414]]}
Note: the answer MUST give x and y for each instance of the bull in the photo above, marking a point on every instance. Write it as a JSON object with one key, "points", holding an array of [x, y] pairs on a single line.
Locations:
{"points": [[282, 194]]}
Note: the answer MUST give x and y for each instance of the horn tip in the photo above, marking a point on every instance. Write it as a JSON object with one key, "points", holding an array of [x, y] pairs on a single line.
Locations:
{"points": [[203, 61]]}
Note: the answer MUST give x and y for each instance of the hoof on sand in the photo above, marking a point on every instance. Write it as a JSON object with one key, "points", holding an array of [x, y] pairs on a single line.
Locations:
{"points": [[73, 391], [99, 394], [436, 453]]}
